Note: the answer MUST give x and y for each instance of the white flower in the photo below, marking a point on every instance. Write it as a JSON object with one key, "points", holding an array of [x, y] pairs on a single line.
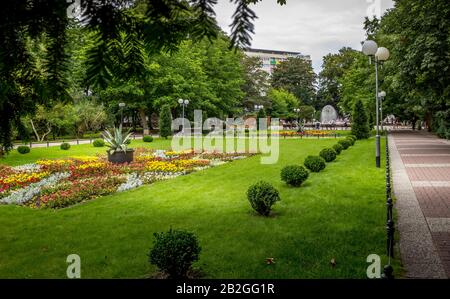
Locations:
{"points": [[27, 193], [133, 181], [27, 167]]}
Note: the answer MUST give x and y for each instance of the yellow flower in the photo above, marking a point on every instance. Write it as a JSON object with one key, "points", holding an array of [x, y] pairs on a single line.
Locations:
{"points": [[163, 166], [85, 158], [54, 162], [91, 165]]}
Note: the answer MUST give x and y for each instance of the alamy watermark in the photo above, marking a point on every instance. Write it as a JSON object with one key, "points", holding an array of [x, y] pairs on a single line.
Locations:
{"points": [[74, 268]]}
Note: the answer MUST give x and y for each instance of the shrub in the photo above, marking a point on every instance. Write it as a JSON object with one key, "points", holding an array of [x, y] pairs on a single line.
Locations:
{"points": [[294, 175], [261, 114], [23, 149], [314, 163], [338, 148], [344, 143], [147, 138], [351, 140], [99, 143], [360, 121], [262, 196], [64, 146], [165, 122], [328, 154], [353, 137], [174, 252]]}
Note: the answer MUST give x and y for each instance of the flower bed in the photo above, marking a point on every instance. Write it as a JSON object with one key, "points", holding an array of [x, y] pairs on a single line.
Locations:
{"points": [[312, 133], [64, 182]]}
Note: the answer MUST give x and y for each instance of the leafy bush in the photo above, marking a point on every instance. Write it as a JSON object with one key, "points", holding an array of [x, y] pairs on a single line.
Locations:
{"points": [[23, 149], [351, 140], [262, 196], [314, 163], [360, 121], [352, 136], [338, 148], [174, 252], [147, 138], [165, 122], [328, 154], [294, 175], [344, 143], [99, 143], [64, 146]]}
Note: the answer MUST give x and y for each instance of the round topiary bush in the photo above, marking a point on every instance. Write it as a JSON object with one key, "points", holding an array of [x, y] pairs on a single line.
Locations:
{"points": [[338, 148], [353, 137], [174, 252], [262, 196], [64, 146], [23, 149], [315, 163], [99, 143], [351, 140], [328, 154], [147, 138], [344, 143], [294, 175]]}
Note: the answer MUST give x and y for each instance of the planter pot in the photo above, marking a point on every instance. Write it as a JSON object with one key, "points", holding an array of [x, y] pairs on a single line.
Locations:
{"points": [[120, 157]]}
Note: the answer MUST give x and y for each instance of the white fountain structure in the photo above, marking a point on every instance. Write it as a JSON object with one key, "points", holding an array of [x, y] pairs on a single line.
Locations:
{"points": [[328, 115]]}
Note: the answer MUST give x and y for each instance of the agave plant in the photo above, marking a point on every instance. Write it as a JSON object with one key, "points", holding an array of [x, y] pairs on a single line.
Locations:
{"points": [[116, 141]]}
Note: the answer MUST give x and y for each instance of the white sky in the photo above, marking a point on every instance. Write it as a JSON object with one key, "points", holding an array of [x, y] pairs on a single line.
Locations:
{"points": [[312, 27]]}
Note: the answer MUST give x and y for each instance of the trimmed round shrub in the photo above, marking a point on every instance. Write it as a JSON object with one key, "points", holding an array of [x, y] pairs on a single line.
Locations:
{"points": [[344, 143], [315, 163], [294, 175], [64, 146], [338, 148], [353, 137], [328, 154], [99, 143], [262, 196], [23, 149], [351, 140], [174, 252], [147, 138]]}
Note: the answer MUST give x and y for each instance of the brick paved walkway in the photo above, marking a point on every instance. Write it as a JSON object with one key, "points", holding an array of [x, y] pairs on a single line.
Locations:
{"points": [[421, 175]]}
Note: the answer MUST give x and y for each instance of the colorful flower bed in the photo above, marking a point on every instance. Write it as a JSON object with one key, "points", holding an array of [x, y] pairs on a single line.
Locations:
{"points": [[64, 182], [312, 133]]}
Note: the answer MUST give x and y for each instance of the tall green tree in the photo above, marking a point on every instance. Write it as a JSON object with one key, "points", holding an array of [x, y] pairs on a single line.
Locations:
{"points": [[360, 121], [165, 122], [256, 82], [297, 76]]}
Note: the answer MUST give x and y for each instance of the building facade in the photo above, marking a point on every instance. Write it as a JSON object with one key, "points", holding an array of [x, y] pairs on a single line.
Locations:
{"points": [[270, 58]]}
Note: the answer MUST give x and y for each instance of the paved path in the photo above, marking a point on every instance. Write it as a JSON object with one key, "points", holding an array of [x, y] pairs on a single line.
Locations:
{"points": [[421, 176]]}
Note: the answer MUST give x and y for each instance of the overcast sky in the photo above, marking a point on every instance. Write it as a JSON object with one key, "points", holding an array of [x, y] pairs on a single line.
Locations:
{"points": [[312, 27]]}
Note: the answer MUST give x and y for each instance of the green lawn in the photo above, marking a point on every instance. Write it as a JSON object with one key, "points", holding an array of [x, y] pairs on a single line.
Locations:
{"points": [[338, 213]]}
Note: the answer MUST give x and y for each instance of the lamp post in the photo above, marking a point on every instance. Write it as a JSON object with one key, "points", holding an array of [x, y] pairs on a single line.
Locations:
{"points": [[297, 110], [183, 104], [121, 106], [381, 96], [381, 54], [258, 107]]}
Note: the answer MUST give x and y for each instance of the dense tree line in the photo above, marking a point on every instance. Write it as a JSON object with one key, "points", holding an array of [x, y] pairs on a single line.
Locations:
{"points": [[416, 77]]}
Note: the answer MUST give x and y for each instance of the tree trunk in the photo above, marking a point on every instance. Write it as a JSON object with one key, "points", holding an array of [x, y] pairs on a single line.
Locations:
{"points": [[144, 123]]}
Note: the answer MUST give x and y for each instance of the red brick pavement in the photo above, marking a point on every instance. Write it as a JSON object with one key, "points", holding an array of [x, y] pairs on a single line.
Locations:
{"points": [[442, 242], [434, 201], [428, 173]]}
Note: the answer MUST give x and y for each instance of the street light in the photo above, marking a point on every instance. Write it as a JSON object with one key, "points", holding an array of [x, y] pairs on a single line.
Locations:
{"points": [[381, 96], [259, 107], [183, 104], [297, 110], [121, 106], [381, 54]]}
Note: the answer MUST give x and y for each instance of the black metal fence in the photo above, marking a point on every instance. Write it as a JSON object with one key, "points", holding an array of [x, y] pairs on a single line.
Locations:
{"points": [[390, 229]]}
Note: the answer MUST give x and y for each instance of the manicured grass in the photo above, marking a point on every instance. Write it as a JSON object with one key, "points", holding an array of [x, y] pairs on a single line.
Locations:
{"points": [[338, 213]]}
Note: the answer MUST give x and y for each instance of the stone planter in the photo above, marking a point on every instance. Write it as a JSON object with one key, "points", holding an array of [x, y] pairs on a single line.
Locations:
{"points": [[120, 157]]}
